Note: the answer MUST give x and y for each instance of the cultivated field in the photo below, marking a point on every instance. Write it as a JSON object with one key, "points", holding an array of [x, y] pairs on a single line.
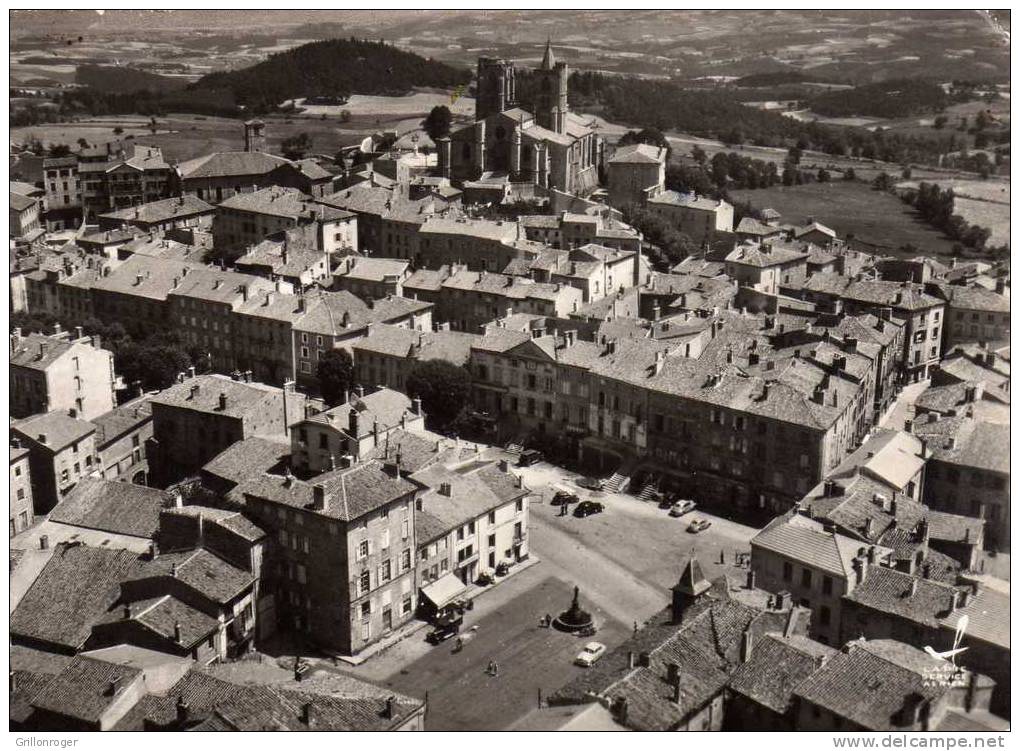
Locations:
{"points": [[981, 202], [878, 221], [418, 103]]}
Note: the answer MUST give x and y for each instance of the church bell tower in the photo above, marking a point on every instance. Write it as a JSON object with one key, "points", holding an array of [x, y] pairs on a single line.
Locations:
{"points": [[551, 105]]}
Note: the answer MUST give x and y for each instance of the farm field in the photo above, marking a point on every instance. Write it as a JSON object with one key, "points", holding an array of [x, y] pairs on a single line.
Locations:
{"points": [[418, 103], [981, 202], [879, 222]]}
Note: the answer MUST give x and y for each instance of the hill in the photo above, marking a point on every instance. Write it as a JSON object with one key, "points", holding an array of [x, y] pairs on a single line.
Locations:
{"points": [[121, 80], [336, 67]]}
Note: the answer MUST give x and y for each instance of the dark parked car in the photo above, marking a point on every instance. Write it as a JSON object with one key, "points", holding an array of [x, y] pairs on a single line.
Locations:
{"points": [[587, 508], [563, 497], [529, 457], [591, 483], [444, 629]]}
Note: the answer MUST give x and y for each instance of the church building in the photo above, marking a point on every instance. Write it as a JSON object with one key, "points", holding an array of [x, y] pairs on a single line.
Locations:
{"points": [[551, 147]]}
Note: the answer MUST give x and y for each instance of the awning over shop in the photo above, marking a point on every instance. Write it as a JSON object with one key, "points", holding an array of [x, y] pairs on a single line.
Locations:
{"points": [[443, 590]]}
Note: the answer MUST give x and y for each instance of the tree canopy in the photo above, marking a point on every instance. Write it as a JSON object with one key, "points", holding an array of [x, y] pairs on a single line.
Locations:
{"points": [[437, 123], [444, 390], [335, 372]]}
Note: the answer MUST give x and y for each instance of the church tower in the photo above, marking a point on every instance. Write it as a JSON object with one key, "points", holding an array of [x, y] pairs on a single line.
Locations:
{"points": [[551, 103], [254, 135], [495, 88]]}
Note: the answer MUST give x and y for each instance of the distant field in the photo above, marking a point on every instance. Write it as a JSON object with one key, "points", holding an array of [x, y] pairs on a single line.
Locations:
{"points": [[981, 202], [993, 216], [875, 219], [419, 103]]}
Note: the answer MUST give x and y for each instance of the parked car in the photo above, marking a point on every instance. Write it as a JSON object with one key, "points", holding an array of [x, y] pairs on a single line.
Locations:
{"points": [[682, 507], [587, 508], [563, 496], [529, 457], [591, 483], [698, 525], [444, 629], [591, 654]]}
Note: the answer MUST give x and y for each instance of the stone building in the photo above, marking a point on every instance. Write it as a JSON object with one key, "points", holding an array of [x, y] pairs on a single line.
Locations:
{"points": [[60, 372], [549, 146]]}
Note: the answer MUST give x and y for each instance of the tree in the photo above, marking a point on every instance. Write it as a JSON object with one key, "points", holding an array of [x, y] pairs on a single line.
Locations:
{"points": [[118, 130], [437, 123], [794, 154], [699, 155], [297, 146], [59, 150], [345, 116], [940, 122], [83, 143], [823, 175], [651, 136], [883, 181], [444, 390], [336, 375], [849, 174]]}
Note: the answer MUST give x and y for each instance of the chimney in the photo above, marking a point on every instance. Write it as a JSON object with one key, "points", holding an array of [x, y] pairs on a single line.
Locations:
{"points": [[177, 632], [391, 705], [352, 422], [446, 489], [504, 465], [113, 686], [127, 611], [673, 673], [318, 497], [913, 588], [746, 645], [644, 659], [872, 555], [751, 577], [416, 405], [223, 401], [631, 659], [307, 714], [182, 710], [869, 527], [860, 570]]}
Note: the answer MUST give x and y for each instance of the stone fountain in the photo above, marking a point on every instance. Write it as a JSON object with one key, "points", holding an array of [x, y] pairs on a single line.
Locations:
{"points": [[573, 618]]}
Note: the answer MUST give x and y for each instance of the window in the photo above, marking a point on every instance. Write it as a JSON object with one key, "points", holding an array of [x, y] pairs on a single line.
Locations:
{"points": [[364, 582], [827, 585], [363, 549], [492, 517], [366, 609], [386, 572], [405, 606], [805, 578], [787, 571], [520, 505], [405, 560]]}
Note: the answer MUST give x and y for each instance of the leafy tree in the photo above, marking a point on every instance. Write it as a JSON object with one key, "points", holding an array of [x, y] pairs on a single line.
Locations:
{"points": [[444, 390], [437, 123], [336, 375], [907, 173], [940, 122], [345, 116], [83, 143], [849, 174], [699, 155], [297, 146], [651, 136], [882, 182], [794, 154], [823, 175], [59, 150], [118, 130]]}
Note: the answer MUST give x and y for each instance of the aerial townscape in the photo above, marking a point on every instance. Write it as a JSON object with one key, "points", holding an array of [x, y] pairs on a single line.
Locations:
{"points": [[509, 371]]}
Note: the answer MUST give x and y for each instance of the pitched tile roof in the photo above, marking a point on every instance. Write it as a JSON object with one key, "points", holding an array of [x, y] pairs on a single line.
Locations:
{"points": [[119, 507], [120, 420], [870, 682], [201, 570], [777, 666], [242, 399], [639, 153], [155, 212], [988, 615], [967, 442], [78, 585], [904, 595], [385, 407], [82, 689], [230, 164], [233, 521], [802, 539], [349, 493], [57, 427], [249, 457], [39, 351]]}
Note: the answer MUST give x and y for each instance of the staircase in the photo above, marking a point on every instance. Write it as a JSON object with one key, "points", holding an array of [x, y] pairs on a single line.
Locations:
{"points": [[514, 448], [651, 487]]}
